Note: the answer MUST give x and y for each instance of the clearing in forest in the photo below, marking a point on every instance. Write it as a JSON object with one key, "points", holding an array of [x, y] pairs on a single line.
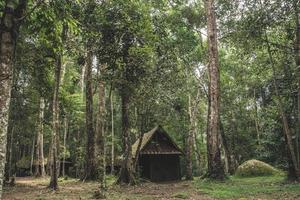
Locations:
{"points": [[256, 188], [73, 189]]}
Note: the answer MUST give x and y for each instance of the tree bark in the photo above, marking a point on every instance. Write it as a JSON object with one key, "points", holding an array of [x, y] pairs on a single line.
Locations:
{"points": [[55, 126], [215, 168], [189, 144], [197, 150], [256, 119], [90, 165], [227, 153], [39, 164], [297, 61], [10, 154], [65, 144], [126, 174], [32, 155], [10, 25], [141, 136], [82, 80], [100, 130], [112, 133]]}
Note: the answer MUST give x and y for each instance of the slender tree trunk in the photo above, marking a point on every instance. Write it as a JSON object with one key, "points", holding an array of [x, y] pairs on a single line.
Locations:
{"points": [[227, 153], [42, 159], [112, 133], [126, 174], [189, 145], [256, 119], [82, 80], [100, 129], [197, 150], [55, 127], [286, 128], [233, 157], [90, 165], [39, 164], [32, 155], [65, 145], [215, 168]]}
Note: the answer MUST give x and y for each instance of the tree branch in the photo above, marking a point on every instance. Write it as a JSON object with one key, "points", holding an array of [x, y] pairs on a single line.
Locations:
{"points": [[31, 11]]}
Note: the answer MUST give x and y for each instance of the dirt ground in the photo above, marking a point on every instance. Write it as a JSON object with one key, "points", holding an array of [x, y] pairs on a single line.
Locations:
{"points": [[36, 189]]}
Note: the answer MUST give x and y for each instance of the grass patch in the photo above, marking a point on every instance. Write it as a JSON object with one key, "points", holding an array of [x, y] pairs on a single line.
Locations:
{"points": [[110, 180], [269, 187], [181, 195]]}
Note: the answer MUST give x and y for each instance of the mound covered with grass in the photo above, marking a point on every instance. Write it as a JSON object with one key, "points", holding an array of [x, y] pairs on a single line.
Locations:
{"points": [[252, 168]]}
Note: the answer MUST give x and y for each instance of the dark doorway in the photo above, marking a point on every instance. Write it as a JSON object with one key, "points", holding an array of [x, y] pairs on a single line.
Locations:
{"points": [[160, 167]]}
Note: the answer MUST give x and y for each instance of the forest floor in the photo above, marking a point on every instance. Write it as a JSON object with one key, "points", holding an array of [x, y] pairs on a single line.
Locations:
{"points": [[236, 188], [30, 188]]}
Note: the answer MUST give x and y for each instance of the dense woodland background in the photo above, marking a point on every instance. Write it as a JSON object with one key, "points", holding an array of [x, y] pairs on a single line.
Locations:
{"points": [[89, 77]]}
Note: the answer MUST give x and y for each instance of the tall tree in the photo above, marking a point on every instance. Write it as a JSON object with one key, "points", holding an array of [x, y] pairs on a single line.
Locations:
{"points": [[100, 128], [215, 168], [10, 23], [90, 165], [55, 126], [286, 127], [296, 5]]}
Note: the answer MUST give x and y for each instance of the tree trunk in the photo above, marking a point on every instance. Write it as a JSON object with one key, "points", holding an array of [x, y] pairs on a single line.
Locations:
{"points": [[55, 126], [197, 150], [65, 143], [112, 133], [39, 164], [100, 129], [10, 153], [8, 35], [189, 145], [215, 168], [90, 165], [227, 153], [297, 61], [141, 136], [256, 119], [286, 128], [82, 80], [32, 155], [126, 174]]}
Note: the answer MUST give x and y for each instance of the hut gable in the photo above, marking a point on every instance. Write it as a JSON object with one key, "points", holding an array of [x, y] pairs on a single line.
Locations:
{"points": [[156, 141]]}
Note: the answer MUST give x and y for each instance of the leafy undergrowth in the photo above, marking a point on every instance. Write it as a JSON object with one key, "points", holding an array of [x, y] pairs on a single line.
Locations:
{"points": [[268, 187]]}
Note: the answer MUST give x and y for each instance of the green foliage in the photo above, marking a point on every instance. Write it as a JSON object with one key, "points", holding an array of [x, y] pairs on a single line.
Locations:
{"points": [[24, 163], [156, 51]]}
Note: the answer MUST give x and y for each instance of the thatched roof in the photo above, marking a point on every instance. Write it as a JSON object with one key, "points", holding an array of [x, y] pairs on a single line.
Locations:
{"points": [[147, 138]]}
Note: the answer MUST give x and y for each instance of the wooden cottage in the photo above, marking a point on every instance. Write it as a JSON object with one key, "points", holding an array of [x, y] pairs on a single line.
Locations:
{"points": [[159, 156]]}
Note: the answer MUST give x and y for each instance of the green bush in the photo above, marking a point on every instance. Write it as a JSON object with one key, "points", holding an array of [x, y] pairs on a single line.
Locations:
{"points": [[252, 168], [24, 163]]}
